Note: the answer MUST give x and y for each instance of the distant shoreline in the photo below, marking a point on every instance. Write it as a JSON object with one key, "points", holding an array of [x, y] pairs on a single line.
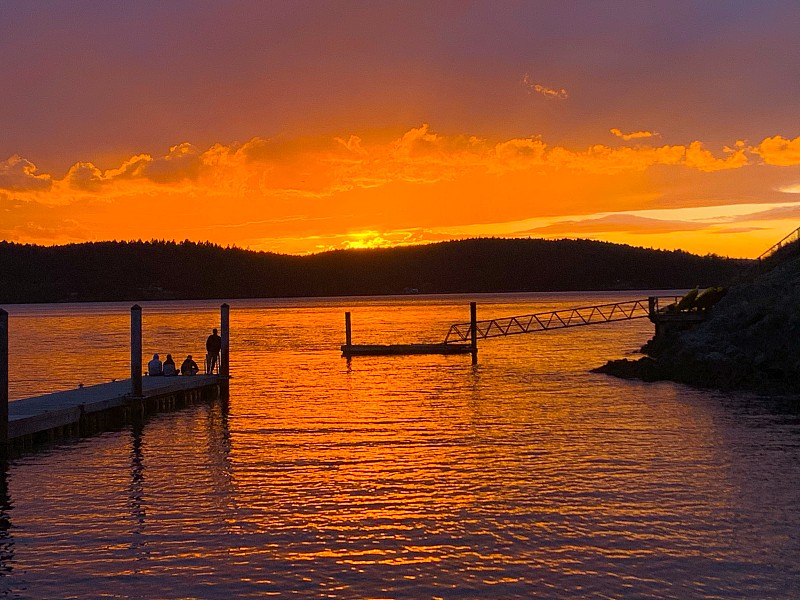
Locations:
{"points": [[142, 271]]}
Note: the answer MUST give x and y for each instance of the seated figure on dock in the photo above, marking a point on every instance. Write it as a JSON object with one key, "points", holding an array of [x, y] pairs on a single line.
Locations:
{"points": [[169, 366], [189, 367], [154, 367]]}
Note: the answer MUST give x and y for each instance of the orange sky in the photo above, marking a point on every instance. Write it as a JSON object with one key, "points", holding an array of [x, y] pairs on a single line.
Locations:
{"points": [[400, 124]]}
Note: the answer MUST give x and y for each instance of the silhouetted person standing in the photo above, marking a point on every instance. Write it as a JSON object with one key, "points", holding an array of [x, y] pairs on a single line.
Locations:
{"points": [[213, 347]]}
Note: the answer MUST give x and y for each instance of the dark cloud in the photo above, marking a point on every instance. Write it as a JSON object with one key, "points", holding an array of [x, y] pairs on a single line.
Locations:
{"points": [[86, 177], [182, 162], [18, 174]]}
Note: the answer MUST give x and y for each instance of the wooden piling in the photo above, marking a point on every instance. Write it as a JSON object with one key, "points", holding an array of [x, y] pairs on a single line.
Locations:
{"points": [[3, 381], [224, 328], [136, 351], [224, 361], [473, 330], [348, 330]]}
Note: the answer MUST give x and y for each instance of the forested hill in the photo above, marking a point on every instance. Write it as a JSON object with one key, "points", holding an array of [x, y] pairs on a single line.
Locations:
{"points": [[132, 271]]}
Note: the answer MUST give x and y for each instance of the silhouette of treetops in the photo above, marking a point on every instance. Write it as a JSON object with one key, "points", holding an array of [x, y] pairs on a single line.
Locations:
{"points": [[158, 269]]}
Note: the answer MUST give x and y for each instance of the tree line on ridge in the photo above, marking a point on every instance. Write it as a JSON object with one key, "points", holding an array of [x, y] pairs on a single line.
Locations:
{"points": [[158, 270]]}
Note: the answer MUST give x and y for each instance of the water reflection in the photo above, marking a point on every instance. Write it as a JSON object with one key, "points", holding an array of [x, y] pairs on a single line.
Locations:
{"points": [[6, 537], [136, 495], [523, 476]]}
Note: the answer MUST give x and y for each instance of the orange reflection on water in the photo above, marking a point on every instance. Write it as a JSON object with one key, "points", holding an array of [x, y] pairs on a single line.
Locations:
{"points": [[405, 475]]}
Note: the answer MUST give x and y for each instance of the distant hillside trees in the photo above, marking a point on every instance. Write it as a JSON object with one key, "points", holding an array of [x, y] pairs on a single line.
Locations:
{"points": [[132, 271]]}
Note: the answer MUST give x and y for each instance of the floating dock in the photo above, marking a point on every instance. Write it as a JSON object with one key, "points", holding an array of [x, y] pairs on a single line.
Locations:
{"points": [[462, 338], [350, 350], [403, 349]]}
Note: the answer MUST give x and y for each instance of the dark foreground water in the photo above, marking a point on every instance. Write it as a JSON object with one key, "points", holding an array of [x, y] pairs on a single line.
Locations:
{"points": [[405, 477]]}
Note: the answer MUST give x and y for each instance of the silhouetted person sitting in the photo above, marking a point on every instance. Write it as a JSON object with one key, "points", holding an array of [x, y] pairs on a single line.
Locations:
{"points": [[169, 366], [189, 367], [154, 367], [213, 347]]}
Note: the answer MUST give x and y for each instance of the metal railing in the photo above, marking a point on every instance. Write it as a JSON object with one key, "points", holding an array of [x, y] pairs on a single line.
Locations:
{"points": [[792, 237], [559, 319]]}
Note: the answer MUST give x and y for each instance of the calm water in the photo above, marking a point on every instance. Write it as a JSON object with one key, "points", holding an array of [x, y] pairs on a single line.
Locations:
{"points": [[405, 477]]}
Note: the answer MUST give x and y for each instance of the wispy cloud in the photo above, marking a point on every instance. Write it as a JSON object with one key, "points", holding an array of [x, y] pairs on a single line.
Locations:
{"points": [[547, 92], [616, 223], [633, 135], [788, 212]]}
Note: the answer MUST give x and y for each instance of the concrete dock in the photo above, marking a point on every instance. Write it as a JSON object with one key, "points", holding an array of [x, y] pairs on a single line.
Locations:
{"points": [[91, 409], [95, 408]]}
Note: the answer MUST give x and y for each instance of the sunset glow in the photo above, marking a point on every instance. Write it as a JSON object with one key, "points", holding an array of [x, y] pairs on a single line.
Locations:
{"points": [[352, 158]]}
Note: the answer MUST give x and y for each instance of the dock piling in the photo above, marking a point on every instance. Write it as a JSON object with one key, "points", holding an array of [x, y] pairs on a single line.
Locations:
{"points": [[348, 330], [224, 362], [3, 380], [224, 329], [473, 326], [136, 351]]}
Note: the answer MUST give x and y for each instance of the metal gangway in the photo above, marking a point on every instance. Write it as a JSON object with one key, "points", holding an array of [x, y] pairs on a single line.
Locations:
{"points": [[559, 319], [792, 237]]}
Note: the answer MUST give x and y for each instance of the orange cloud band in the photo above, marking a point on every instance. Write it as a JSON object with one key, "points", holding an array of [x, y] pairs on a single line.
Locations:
{"points": [[399, 187]]}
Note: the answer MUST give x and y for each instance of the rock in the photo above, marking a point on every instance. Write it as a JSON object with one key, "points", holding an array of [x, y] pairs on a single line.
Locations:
{"points": [[750, 341]]}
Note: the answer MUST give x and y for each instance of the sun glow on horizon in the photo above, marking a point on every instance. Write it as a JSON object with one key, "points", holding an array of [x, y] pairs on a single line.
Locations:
{"points": [[299, 196]]}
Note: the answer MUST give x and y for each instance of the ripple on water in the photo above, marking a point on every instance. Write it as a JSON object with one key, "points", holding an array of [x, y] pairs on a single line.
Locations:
{"points": [[413, 477]]}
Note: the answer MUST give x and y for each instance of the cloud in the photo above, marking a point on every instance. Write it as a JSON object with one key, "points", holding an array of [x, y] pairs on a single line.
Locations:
{"points": [[789, 212], [737, 230], [616, 223], [391, 182], [181, 163], [85, 176], [701, 159], [19, 174], [324, 166], [31, 221], [633, 135], [353, 144], [547, 92], [779, 151]]}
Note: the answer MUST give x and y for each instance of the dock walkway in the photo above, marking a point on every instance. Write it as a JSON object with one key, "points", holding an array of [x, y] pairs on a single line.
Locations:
{"points": [[92, 406], [106, 406]]}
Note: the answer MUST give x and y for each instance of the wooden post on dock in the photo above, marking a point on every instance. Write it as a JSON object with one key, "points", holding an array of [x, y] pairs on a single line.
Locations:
{"points": [[348, 337], [136, 351], [224, 329], [473, 330], [225, 352], [3, 380]]}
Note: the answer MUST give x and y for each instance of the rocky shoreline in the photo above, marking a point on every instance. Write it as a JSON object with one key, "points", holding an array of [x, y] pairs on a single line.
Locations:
{"points": [[749, 341]]}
